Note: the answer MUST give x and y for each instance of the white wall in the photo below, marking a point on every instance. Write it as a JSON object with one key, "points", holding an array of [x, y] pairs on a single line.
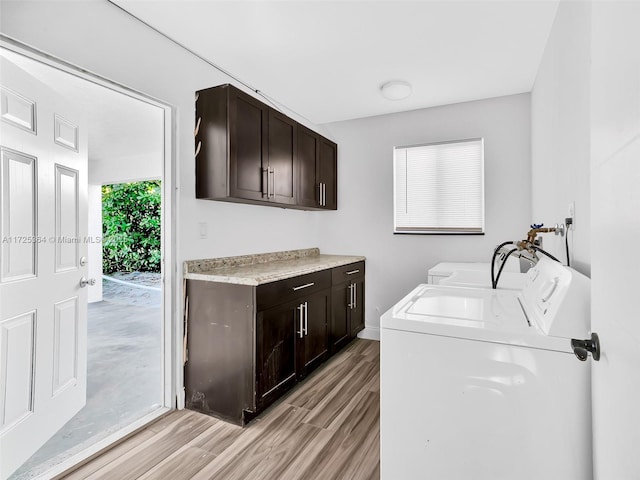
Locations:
{"points": [[615, 183], [560, 133], [103, 39], [363, 223]]}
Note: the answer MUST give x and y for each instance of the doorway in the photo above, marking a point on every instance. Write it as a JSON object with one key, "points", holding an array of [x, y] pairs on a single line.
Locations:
{"points": [[128, 320]]}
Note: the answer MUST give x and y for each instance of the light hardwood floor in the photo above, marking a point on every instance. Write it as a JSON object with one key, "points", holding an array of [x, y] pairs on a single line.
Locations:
{"points": [[326, 428]]}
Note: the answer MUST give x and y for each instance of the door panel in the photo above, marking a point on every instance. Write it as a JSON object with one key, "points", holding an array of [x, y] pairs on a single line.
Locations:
{"points": [[67, 218], [43, 310], [315, 341], [328, 172], [615, 203], [18, 207], [275, 348], [308, 144], [65, 344], [18, 110], [357, 310], [16, 368], [282, 155], [247, 127], [340, 330]]}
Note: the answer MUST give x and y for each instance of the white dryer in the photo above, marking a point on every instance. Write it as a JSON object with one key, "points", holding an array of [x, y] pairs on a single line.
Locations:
{"points": [[483, 384]]}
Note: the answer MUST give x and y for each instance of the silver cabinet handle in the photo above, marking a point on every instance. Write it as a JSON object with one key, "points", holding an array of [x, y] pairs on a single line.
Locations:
{"points": [[197, 129], [301, 309], [355, 295], [320, 193], [273, 182], [350, 305], [351, 272], [306, 318], [306, 285], [265, 182], [84, 282], [324, 194]]}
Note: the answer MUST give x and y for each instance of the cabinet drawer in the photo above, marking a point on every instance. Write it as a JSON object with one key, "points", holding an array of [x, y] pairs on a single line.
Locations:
{"points": [[283, 291], [346, 273]]}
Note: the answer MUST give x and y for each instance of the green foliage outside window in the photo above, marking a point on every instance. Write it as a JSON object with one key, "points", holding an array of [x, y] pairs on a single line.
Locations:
{"points": [[131, 227]]}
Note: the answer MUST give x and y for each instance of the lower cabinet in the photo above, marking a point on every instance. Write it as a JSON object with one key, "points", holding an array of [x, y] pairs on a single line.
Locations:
{"points": [[347, 303], [291, 340], [246, 345]]}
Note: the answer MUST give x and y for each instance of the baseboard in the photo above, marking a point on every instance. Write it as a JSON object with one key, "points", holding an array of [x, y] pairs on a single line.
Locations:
{"points": [[370, 333]]}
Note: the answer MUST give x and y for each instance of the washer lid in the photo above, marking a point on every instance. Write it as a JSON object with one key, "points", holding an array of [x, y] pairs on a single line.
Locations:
{"points": [[470, 313], [479, 278]]}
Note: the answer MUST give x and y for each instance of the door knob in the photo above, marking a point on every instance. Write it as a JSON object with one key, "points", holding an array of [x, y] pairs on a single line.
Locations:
{"points": [[582, 347], [84, 282]]}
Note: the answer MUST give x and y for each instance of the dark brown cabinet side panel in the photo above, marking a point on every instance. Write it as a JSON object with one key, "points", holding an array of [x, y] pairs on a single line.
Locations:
{"points": [[329, 172], [211, 144], [218, 374], [282, 157], [247, 152], [275, 352]]}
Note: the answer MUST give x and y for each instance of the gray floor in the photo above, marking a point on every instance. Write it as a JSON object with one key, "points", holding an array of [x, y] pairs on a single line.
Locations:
{"points": [[123, 372]]}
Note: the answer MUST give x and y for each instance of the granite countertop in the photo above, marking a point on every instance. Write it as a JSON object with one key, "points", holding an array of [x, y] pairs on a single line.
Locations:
{"points": [[265, 267]]}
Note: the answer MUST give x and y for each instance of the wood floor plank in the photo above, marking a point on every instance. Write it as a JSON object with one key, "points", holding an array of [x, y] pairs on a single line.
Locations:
{"points": [[334, 402], [181, 465], [217, 438], [327, 428], [145, 456], [110, 455]]}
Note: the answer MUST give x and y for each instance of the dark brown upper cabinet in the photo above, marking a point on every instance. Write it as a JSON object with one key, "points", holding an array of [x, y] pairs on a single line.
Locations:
{"points": [[248, 152], [317, 162], [282, 167], [328, 176]]}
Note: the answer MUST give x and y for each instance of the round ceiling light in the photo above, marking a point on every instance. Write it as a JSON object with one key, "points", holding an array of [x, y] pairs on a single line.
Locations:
{"points": [[396, 90]]}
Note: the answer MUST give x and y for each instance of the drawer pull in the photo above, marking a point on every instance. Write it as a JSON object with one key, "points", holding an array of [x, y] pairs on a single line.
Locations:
{"points": [[303, 286], [352, 272]]}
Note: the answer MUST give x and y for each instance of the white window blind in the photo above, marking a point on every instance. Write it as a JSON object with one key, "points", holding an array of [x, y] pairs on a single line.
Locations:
{"points": [[439, 187]]}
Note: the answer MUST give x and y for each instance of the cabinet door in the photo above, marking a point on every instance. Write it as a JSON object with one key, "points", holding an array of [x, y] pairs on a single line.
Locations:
{"points": [[275, 352], [247, 146], [282, 169], [328, 174], [313, 316], [340, 331], [357, 306], [308, 167]]}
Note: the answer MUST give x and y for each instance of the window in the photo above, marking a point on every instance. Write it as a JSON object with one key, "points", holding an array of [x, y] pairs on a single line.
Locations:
{"points": [[439, 187]]}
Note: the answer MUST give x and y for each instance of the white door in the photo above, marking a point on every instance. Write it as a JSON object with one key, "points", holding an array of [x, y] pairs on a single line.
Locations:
{"points": [[43, 225], [615, 268]]}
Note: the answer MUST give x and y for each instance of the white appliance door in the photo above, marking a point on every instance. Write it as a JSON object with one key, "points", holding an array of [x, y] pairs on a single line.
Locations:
{"points": [[615, 204], [43, 225]]}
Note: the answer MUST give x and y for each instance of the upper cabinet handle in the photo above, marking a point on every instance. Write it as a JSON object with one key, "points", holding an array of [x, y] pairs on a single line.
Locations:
{"points": [[303, 286], [352, 272], [198, 149], [195, 132]]}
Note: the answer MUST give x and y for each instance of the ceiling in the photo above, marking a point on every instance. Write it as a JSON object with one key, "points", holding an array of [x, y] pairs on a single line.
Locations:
{"points": [[326, 60]]}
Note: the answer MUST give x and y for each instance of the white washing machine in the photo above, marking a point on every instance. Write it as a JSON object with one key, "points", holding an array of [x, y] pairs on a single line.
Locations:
{"points": [[483, 384]]}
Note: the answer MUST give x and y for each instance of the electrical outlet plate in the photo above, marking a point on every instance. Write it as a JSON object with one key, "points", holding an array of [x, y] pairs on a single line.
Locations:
{"points": [[202, 227]]}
